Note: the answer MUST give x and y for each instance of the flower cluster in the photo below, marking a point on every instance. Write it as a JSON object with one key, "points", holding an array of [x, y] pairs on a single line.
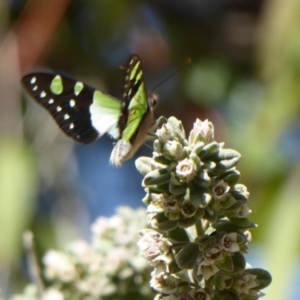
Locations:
{"points": [[108, 268], [197, 211]]}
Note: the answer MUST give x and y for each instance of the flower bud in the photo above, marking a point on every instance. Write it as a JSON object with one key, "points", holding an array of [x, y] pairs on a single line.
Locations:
{"points": [[173, 150], [202, 132]]}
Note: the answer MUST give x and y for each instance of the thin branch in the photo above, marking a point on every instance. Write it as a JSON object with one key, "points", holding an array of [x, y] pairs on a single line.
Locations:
{"points": [[34, 269]]}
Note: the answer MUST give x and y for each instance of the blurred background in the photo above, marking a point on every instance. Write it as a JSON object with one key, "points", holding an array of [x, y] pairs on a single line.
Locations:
{"points": [[244, 77]]}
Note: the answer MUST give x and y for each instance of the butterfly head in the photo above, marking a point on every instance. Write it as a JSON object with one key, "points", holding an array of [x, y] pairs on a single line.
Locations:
{"points": [[152, 100]]}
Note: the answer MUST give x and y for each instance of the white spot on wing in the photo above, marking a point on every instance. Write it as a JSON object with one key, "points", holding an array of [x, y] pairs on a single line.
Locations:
{"points": [[58, 108], [33, 80], [43, 94], [72, 103], [51, 101], [35, 88], [66, 116], [71, 126]]}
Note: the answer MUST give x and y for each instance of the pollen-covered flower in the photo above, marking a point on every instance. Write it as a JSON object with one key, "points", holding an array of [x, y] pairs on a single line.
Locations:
{"points": [[168, 284], [82, 252], [200, 294], [53, 294], [206, 267], [176, 296], [153, 244], [186, 170], [103, 227], [59, 266], [156, 249], [171, 204], [224, 282], [214, 254], [156, 201], [220, 190], [228, 242], [188, 209], [244, 283]]}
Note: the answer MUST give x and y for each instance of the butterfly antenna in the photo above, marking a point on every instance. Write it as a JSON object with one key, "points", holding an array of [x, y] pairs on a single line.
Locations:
{"points": [[187, 62]]}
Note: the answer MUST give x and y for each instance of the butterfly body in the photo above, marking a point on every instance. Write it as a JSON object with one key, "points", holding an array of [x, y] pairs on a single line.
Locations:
{"points": [[85, 114]]}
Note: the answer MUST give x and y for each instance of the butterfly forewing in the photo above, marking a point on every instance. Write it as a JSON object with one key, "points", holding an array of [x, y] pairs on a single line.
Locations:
{"points": [[137, 114], [135, 100], [70, 103]]}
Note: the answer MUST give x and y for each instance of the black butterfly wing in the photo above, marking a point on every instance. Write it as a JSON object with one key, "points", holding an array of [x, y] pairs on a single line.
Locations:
{"points": [[67, 100]]}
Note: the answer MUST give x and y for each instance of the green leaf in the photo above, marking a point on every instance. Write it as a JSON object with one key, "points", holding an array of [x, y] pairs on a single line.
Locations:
{"points": [[227, 265], [224, 154], [178, 189], [228, 203], [239, 196], [160, 222], [144, 165], [236, 206], [157, 177], [232, 177], [225, 295], [19, 185], [178, 234], [263, 276], [187, 222], [202, 179], [187, 256], [208, 150], [229, 226], [233, 264], [199, 196], [227, 163], [243, 223]]}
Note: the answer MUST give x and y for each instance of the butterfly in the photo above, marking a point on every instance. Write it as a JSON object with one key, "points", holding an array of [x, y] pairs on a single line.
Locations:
{"points": [[85, 114]]}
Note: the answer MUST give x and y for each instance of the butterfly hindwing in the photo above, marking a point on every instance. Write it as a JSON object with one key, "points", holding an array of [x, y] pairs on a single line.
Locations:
{"points": [[82, 112]]}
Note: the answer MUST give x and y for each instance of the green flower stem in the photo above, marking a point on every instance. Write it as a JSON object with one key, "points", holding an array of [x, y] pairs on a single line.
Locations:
{"points": [[199, 228]]}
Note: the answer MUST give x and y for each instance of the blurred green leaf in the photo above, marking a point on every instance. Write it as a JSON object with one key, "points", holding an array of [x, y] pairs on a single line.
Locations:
{"points": [[17, 196]]}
